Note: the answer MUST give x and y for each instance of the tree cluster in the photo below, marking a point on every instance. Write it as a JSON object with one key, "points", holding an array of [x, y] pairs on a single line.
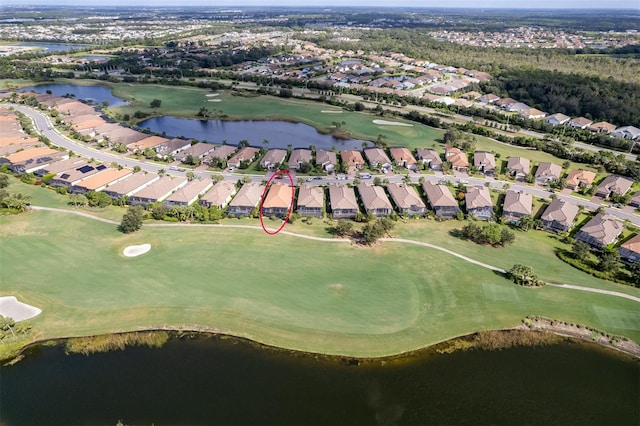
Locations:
{"points": [[523, 275], [488, 233]]}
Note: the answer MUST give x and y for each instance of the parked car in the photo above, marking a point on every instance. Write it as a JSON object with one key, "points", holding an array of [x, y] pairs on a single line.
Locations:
{"points": [[341, 177], [364, 176]]}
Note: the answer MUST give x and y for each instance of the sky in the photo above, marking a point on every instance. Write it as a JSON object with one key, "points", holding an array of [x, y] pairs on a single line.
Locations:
{"points": [[478, 4]]}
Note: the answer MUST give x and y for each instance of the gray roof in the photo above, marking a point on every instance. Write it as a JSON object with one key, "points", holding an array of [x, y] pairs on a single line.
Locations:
{"points": [[439, 195], [478, 197], [517, 202]]}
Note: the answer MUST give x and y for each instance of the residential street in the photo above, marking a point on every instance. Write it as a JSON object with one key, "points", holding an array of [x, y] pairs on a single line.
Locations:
{"points": [[44, 125]]}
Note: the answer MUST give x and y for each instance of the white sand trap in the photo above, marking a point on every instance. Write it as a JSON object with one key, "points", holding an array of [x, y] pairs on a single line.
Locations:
{"points": [[133, 251], [213, 94], [330, 111], [391, 123], [10, 307], [215, 100]]}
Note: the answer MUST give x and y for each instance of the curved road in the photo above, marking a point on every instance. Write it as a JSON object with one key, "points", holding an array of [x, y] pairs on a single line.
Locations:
{"points": [[43, 124], [344, 240]]}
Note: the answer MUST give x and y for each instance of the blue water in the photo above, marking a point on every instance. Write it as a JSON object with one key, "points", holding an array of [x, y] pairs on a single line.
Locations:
{"points": [[56, 47], [97, 94], [279, 134]]}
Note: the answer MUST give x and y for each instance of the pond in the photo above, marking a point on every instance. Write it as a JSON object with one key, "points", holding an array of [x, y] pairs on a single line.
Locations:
{"points": [[217, 380], [279, 134], [53, 47], [96, 94]]}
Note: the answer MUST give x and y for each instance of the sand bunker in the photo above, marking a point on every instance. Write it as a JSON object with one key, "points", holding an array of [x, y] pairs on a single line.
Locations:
{"points": [[335, 111], [215, 100], [391, 123], [133, 251], [10, 307], [213, 94]]}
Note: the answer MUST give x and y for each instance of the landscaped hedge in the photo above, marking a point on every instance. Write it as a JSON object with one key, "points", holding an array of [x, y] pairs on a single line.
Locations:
{"points": [[620, 278]]}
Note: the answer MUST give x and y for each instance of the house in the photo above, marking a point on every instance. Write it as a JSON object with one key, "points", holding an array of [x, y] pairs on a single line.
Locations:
{"points": [[532, 114], [278, 200], [457, 159], [352, 159], [402, 157], [245, 155], [374, 200], [299, 156], [517, 107], [198, 150], [626, 132], [519, 167], [245, 200], [600, 231], [219, 195], [630, 250], [485, 162], [377, 158], [548, 172], [635, 200], [73, 176], [602, 127], [219, 154], [441, 200], [579, 123], [559, 216], [189, 193], [580, 178], [100, 180], [157, 191], [172, 147], [406, 199], [32, 159], [489, 98], [614, 185], [273, 158], [478, 201], [504, 102], [59, 166], [326, 159], [310, 201], [557, 119], [129, 185], [431, 157], [516, 205], [343, 202]]}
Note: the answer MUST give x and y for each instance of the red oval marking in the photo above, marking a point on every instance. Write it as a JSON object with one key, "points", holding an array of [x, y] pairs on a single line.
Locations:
{"points": [[293, 194]]}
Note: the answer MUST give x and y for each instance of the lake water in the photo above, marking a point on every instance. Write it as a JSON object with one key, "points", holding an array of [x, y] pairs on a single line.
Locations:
{"points": [[55, 47], [228, 381], [279, 133], [97, 94]]}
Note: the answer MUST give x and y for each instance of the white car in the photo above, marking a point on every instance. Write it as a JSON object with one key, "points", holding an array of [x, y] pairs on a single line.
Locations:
{"points": [[341, 177]]}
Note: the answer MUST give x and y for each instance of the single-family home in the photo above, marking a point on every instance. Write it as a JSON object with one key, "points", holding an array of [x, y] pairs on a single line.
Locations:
{"points": [[489, 98], [441, 200], [532, 114], [299, 156], [245, 200], [273, 158], [485, 162], [342, 200], [310, 201], [479, 203], [579, 122], [635, 200], [172, 147], [278, 200], [406, 199], [129, 185], [99, 181], [32, 159], [219, 154], [519, 167], [59, 166], [626, 132], [189, 193], [457, 159], [245, 155], [73, 176], [516, 205], [377, 158], [352, 159], [559, 216], [603, 229], [516, 107], [580, 179], [602, 127], [504, 102], [198, 150], [326, 159], [219, 195], [402, 157], [630, 250], [557, 119], [374, 200], [431, 157], [157, 191], [614, 185], [548, 172], [148, 142]]}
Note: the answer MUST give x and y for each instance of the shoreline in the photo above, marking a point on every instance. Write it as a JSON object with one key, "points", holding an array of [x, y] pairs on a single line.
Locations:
{"points": [[533, 332]]}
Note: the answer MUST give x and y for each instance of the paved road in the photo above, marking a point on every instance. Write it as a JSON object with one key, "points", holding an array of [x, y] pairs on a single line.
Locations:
{"points": [[43, 123]]}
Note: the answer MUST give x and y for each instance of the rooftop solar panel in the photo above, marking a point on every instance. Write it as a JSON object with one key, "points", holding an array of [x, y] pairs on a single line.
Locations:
{"points": [[64, 176], [85, 169], [101, 167]]}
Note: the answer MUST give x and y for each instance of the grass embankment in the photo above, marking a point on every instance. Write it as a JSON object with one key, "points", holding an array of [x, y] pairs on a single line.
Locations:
{"points": [[111, 342], [283, 291]]}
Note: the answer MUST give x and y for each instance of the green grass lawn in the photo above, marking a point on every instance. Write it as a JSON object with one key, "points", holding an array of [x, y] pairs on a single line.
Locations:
{"points": [[279, 290]]}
